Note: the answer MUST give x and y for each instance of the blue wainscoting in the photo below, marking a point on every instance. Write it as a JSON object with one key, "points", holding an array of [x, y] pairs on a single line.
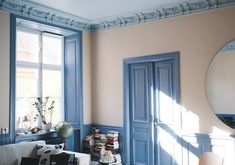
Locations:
{"points": [[192, 145], [5, 139], [87, 129]]}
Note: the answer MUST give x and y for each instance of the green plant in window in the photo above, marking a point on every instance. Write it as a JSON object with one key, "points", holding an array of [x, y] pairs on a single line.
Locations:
{"points": [[42, 108]]}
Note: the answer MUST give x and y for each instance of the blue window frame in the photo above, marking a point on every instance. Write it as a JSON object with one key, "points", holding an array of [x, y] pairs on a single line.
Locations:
{"points": [[72, 74], [39, 73]]}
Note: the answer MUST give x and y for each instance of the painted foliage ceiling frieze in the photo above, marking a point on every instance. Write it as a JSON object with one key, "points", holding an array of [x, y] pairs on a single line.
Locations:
{"points": [[42, 13]]}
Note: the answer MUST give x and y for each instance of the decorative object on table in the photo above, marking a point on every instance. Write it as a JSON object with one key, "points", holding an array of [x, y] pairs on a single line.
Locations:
{"points": [[65, 130], [35, 130], [26, 124], [118, 159], [95, 130], [107, 157], [19, 126], [43, 110]]}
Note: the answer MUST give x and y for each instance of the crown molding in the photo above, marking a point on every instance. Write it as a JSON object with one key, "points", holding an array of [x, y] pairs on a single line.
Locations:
{"points": [[49, 15], [153, 14], [44, 14]]}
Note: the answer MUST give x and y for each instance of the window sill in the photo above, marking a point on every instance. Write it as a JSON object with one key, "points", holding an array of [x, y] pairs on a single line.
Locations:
{"points": [[51, 137]]}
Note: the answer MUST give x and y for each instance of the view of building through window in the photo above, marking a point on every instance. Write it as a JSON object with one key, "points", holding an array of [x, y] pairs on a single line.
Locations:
{"points": [[39, 73]]}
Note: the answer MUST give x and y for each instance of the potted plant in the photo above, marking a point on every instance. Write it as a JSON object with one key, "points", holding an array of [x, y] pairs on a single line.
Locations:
{"points": [[43, 108]]}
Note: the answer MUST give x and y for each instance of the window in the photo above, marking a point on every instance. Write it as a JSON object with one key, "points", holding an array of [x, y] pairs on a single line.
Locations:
{"points": [[39, 73], [45, 60]]}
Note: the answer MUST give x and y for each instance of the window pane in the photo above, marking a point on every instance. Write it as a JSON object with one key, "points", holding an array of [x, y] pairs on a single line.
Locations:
{"points": [[58, 114], [24, 108], [27, 47], [26, 82], [51, 83], [52, 88], [52, 49]]}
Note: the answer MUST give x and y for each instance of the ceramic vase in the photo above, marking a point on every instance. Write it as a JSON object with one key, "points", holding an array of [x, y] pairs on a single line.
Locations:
{"points": [[47, 126]]}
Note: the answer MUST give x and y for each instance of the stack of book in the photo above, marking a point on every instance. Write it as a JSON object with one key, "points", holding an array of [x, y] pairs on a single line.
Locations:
{"points": [[103, 138], [97, 137], [88, 144], [97, 144], [112, 142], [98, 151]]}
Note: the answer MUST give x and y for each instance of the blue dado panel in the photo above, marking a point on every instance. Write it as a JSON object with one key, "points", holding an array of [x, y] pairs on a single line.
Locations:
{"points": [[194, 145], [142, 148], [4, 139], [182, 150]]}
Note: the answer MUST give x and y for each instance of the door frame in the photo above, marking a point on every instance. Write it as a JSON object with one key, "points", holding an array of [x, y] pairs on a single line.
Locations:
{"points": [[126, 114]]}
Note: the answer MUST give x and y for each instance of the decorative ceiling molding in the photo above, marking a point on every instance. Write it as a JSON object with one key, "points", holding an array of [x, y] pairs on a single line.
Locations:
{"points": [[161, 13], [45, 14]]}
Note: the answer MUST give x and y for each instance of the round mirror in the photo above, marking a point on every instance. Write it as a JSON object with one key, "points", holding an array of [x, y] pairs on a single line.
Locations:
{"points": [[220, 84]]}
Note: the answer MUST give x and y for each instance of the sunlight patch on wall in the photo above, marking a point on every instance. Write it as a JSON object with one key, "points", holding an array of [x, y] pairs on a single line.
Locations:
{"points": [[218, 131], [190, 121]]}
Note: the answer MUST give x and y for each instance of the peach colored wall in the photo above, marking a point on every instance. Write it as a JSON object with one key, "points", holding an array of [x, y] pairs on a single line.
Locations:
{"points": [[4, 69], [197, 37], [87, 104]]}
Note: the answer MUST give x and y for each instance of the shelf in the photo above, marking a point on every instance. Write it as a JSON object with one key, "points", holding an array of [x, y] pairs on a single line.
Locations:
{"points": [[51, 137]]}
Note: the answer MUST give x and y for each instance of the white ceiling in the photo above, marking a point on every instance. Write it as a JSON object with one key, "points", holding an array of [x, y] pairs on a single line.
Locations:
{"points": [[93, 10]]}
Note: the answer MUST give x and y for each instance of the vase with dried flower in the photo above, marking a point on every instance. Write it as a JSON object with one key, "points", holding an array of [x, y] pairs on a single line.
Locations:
{"points": [[44, 111]]}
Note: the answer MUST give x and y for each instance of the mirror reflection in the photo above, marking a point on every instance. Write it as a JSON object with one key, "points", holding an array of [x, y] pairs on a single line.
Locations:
{"points": [[220, 84]]}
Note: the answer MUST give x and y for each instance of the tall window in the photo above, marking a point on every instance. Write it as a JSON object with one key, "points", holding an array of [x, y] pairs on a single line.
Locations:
{"points": [[39, 73]]}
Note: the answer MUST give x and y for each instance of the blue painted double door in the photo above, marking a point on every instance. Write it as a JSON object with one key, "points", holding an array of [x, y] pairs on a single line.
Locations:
{"points": [[153, 94]]}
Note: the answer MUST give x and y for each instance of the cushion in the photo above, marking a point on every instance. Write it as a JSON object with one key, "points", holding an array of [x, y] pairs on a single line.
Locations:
{"points": [[11, 154], [44, 152], [29, 161], [28, 149]]}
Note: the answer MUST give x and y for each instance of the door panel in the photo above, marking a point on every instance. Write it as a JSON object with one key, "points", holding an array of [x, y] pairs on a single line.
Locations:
{"points": [[167, 143], [141, 109], [141, 93], [142, 146], [168, 148], [164, 92]]}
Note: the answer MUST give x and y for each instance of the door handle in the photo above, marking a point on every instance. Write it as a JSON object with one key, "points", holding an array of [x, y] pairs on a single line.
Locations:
{"points": [[155, 124]]}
